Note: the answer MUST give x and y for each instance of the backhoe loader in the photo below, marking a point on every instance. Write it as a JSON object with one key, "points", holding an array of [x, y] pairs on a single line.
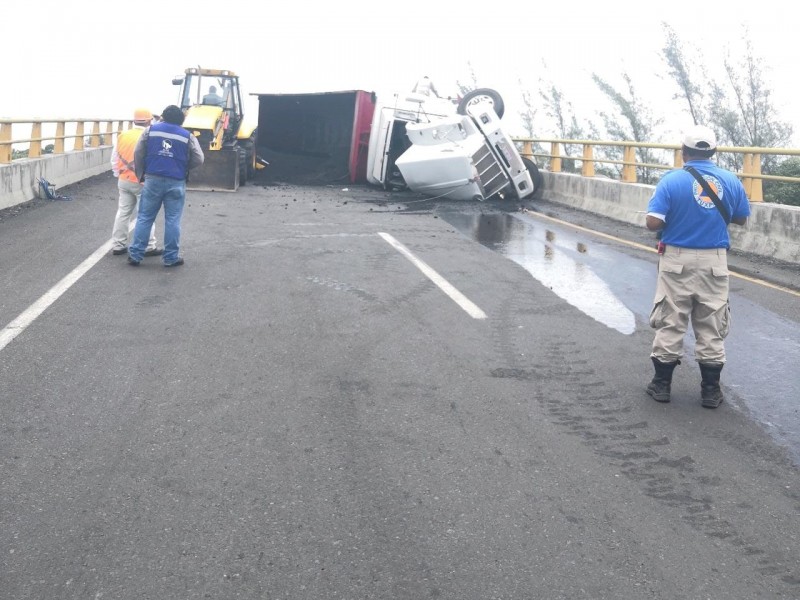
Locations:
{"points": [[212, 102]]}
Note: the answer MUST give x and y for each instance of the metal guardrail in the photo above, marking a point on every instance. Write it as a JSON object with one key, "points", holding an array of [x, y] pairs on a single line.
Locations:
{"points": [[83, 132], [750, 174]]}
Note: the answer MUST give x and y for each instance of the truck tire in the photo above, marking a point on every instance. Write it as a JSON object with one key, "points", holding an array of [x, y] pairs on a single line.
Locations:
{"points": [[482, 94], [536, 177]]}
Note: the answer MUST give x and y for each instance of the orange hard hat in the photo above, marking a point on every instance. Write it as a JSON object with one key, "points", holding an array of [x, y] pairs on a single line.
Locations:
{"points": [[142, 114]]}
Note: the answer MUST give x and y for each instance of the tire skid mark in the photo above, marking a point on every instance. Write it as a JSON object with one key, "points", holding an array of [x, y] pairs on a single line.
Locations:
{"points": [[380, 262], [591, 413], [341, 286], [770, 452], [410, 296], [155, 301], [650, 443]]}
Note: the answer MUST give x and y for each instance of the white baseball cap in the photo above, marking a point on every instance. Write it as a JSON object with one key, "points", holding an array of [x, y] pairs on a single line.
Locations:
{"points": [[700, 138]]}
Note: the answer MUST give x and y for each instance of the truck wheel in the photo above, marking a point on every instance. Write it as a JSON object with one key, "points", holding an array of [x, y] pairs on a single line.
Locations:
{"points": [[482, 94], [536, 177]]}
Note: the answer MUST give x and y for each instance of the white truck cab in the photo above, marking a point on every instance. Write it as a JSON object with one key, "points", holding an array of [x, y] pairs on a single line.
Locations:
{"points": [[440, 149]]}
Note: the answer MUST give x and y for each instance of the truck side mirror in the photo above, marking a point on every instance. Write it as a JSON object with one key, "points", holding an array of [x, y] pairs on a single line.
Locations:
{"points": [[177, 80]]}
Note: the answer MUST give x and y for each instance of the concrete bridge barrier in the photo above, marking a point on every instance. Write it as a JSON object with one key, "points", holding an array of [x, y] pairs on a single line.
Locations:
{"points": [[19, 180], [773, 230]]}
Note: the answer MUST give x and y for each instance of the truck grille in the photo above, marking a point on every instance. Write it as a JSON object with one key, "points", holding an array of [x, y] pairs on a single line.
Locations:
{"points": [[493, 178]]}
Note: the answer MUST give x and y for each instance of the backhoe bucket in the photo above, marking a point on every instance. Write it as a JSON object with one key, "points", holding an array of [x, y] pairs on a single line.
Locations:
{"points": [[218, 173]]}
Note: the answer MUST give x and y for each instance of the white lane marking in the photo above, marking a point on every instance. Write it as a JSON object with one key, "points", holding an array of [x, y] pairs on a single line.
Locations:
{"points": [[29, 315], [459, 298]]}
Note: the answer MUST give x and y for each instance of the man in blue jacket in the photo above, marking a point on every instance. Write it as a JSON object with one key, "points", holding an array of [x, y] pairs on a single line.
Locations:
{"points": [[693, 264], [163, 157]]}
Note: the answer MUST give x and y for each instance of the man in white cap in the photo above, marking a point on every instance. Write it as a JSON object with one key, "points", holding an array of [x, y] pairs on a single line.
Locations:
{"points": [[130, 190], [691, 208]]}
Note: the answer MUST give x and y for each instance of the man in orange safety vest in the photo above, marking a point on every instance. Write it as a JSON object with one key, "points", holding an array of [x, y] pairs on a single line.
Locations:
{"points": [[130, 190]]}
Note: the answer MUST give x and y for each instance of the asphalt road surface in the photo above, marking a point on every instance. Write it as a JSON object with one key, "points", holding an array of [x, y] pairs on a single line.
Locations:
{"points": [[346, 393]]}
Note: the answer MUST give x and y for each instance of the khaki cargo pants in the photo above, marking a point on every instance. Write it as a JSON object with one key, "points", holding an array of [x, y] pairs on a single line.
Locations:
{"points": [[692, 283]]}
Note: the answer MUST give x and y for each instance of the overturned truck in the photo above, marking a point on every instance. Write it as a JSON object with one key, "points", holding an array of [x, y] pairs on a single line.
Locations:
{"points": [[436, 147], [450, 150]]}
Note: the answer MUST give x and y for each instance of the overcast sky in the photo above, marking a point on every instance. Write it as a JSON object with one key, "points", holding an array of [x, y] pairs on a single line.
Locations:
{"points": [[90, 58]]}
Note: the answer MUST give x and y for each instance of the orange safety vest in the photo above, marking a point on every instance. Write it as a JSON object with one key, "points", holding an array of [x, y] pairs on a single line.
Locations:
{"points": [[126, 144]]}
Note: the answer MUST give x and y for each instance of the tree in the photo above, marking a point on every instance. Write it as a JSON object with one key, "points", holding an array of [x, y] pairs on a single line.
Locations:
{"points": [[739, 109], [682, 73], [528, 117], [632, 121], [784, 192], [753, 100], [750, 120], [562, 114]]}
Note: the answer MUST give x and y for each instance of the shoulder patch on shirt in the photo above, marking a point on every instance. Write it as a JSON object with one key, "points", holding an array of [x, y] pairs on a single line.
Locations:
{"points": [[701, 197]]}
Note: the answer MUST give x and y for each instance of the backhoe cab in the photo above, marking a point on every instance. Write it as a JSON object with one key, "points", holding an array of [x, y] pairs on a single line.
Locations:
{"points": [[212, 102]]}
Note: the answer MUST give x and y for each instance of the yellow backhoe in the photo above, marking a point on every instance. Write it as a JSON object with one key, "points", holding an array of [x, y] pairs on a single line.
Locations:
{"points": [[212, 102]]}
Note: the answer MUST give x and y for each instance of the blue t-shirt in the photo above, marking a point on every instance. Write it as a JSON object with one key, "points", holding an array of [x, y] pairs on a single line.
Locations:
{"points": [[690, 216]]}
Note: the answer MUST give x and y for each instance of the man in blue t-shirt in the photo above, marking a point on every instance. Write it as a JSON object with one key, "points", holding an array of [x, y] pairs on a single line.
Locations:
{"points": [[693, 266]]}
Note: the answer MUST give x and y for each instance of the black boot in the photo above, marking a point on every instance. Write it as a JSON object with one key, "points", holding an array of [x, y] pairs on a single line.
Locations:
{"points": [[659, 388], [709, 387]]}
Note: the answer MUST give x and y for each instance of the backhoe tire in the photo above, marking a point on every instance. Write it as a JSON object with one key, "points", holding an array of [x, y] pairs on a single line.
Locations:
{"points": [[242, 165], [249, 146], [481, 94]]}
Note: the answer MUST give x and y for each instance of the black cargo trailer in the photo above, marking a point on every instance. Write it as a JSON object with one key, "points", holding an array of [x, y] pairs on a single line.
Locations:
{"points": [[316, 137]]}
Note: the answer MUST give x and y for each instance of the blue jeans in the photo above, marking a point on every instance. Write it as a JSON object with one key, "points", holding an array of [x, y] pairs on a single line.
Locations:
{"points": [[157, 191]]}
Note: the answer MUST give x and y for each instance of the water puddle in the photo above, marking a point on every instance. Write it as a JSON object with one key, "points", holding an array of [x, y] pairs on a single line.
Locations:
{"points": [[557, 259]]}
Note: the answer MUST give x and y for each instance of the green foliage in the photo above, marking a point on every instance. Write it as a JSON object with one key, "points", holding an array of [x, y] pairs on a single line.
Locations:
{"points": [[16, 154], [567, 127], [739, 108], [683, 76], [757, 123], [736, 103], [782, 192], [632, 120]]}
